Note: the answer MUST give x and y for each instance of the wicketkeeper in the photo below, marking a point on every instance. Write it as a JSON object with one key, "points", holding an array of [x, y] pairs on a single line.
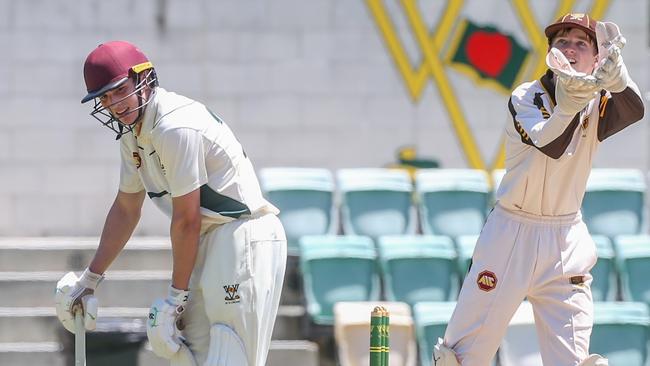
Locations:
{"points": [[534, 243]]}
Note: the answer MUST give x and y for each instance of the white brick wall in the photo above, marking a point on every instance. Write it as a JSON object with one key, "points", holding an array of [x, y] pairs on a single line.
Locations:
{"points": [[302, 83]]}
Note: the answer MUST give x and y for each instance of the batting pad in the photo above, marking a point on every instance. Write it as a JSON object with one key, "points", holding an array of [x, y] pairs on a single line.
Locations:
{"points": [[226, 347], [183, 357]]}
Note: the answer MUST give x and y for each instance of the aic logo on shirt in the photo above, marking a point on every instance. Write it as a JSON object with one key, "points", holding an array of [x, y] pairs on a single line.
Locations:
{"points": [[486, 281]]}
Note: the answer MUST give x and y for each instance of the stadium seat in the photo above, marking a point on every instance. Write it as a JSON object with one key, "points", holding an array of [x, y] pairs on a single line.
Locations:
{"points": [[613, 202], [520, 345], [633, 262], [603, 286], [431, 320], [497, 176], [418, 268], [305, 199], [452, 202], [465, 247], [352, 332], [337, 268], [376, 202], [620, 332]]}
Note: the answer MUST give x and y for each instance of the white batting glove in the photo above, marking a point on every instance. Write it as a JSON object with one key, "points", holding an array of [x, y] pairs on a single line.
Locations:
{"points": [[162, 330], [77, 294], [610, 72]]}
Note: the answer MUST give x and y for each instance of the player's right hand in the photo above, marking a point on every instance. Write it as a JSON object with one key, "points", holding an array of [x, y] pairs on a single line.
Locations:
{"points": [[77, 294], [572, 80]]}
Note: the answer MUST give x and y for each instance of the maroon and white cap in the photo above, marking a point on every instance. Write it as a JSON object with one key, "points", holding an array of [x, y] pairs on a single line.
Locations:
{"points": [[108, 66], [575, 20]]}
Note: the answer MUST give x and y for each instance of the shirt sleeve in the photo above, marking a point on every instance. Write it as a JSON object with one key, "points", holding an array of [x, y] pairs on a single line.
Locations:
{"points": [[182, 154], [130, 181], [619, 110], [542, 127]]}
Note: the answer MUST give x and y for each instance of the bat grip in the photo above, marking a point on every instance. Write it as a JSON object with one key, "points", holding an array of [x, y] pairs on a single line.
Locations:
{"points": [[79, 338]]}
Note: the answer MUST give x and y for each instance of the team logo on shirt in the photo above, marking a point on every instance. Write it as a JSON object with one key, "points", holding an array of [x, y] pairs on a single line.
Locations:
{"points": [[137, 159], [231, 293], [486, 281], [539, 103]]}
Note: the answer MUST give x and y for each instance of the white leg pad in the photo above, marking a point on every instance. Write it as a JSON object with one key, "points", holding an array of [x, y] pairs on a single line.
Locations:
{"points": [[226, 347], [594, 360], [183, 357], [443, 355]]}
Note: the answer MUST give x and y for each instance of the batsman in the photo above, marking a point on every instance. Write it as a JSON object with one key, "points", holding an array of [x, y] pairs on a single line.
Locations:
{"points": [[534, 243], [228, 246]]}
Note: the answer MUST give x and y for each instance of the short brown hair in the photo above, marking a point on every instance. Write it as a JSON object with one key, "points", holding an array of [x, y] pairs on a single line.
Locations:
{"points": [[566, 30]]}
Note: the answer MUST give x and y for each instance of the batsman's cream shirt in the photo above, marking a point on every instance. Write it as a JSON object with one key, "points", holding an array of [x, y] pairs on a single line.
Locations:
{"points": [[549, 156], [181, 147]]}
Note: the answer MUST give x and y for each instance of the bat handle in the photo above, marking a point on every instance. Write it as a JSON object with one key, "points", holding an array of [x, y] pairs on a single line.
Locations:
{"points": [[79, 339]]}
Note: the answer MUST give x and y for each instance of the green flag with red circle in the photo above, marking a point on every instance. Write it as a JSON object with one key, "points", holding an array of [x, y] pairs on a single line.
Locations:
{"points": [[488, 54]]}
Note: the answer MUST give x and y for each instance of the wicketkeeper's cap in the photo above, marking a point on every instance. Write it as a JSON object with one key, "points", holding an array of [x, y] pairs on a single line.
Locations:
{"points": [[108, 66], [576, 20]]}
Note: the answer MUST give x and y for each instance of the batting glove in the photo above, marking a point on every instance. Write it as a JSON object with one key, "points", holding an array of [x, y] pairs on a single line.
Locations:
{"points": [[162, 329], [611, 73], [77, 294]]}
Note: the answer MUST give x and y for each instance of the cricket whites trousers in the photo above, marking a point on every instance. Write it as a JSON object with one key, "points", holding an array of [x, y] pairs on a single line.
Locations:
{"points": [[237, 281], [545, 259]]}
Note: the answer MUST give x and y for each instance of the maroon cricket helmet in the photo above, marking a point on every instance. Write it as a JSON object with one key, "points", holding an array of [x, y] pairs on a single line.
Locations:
{"points": [[109, 65]]}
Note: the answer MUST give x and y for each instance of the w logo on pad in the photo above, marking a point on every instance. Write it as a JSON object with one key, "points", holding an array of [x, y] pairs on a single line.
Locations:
{"points": [[231, 293]]}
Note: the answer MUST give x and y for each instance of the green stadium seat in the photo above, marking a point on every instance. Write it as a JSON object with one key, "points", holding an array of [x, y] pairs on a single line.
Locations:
{"points": [[305, 199], [337, 268], [418, 268], [603, 287], [520, 345], [465, 246], [497, 177], [431, 320], [620, 332], [452, 202], [633, 262], [376, 201], [613, 202]]}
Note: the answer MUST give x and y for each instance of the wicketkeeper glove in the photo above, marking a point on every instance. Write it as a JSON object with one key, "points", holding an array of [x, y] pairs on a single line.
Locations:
{"points": [[573, 89], [162, 329], [77, 294], [610, 73], [566, 74]]}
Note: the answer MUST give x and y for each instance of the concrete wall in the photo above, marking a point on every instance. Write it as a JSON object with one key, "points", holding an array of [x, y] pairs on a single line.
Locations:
{"points": [[301, 82]]}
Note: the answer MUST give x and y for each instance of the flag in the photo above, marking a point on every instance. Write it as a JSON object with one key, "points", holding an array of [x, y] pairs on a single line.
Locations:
{"points": [[487, 54]]}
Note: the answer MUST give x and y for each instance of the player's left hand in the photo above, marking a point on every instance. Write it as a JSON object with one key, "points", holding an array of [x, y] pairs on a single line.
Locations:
{"points": [[610, 72], [162, 330]]}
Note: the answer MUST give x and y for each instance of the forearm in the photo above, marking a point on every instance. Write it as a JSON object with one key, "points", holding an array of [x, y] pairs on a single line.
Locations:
{"points": [[120, 223], [546, 131], [185, 242]]}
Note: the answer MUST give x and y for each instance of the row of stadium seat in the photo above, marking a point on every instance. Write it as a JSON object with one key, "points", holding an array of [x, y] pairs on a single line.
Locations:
{"points": [[452, 202], [621, 333], [424, 268]]}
